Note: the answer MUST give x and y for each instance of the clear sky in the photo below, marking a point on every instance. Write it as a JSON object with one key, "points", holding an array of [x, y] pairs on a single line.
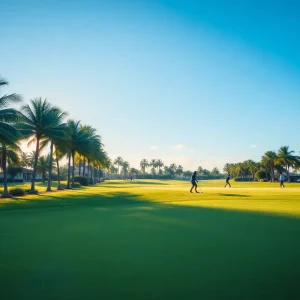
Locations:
{"points": [[191, 82]]}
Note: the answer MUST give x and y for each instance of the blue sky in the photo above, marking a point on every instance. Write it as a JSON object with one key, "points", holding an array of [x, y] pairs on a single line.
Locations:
{"points": [[190, 82]]}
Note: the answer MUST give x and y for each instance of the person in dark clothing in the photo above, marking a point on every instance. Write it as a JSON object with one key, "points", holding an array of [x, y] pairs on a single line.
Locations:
{"points": [[227, 180], [194, 183]]}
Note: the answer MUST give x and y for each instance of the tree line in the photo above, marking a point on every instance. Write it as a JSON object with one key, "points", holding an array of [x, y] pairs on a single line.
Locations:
{"points": [[46, 126], [155, 168], [271, 165]]}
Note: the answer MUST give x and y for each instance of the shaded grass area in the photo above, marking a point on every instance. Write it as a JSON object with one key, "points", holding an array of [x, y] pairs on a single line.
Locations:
{"points": [[144, 242]]}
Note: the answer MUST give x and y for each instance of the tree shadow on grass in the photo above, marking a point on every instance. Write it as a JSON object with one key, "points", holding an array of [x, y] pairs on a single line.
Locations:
{"points": [[233, 195], [120, 244]]}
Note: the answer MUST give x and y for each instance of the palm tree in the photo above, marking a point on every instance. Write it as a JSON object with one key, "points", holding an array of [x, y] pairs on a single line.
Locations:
{"points": [[153, 163], [59, 128], [118, 161], [144, 164], [159, 164], [286, 157], [24, 159], [43, 166], [8, 153], [78, 141], [8, 116], [60, 151], [93, 150], [39, 122], [269, 160], [125, 167]]}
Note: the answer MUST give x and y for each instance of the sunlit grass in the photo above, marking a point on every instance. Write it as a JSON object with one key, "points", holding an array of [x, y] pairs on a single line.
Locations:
{"points": [[152, 240], [248, 196]]}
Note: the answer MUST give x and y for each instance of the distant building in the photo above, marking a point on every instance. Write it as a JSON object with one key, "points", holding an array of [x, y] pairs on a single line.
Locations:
{"points": [[24, 176]]}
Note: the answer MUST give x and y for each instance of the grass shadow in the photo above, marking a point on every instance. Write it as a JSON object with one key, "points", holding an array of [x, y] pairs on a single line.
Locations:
{"points": [[233, 195]]}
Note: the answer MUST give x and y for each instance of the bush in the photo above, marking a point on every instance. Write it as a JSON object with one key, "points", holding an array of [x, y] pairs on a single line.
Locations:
{"points": [[17, 192], [263, 180], [243, 179], [260, 175], [82, 180], [63, 186], [1, 192], [76, 185]]}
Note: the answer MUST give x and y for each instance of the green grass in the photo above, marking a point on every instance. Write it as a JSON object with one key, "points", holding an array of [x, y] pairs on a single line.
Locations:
{"points": [[152, 240]]}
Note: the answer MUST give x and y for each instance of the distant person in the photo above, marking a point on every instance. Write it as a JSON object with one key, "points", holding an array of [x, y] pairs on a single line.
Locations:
{"points": [[281, 179], [227, 180], [131, 178], [194, 183]]}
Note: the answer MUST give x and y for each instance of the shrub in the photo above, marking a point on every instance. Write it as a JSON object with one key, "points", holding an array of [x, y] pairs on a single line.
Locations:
{"points": [[243, 179], [81, 179], [63, 186], [76, 185], [260, 175], [263, 180], [17, 192], [1, 192]]}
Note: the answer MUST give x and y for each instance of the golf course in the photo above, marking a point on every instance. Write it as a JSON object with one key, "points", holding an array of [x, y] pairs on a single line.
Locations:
{"points": [[152, 239]]}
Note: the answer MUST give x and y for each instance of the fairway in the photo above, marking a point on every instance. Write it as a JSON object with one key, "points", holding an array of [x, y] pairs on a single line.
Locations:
{"points": [[152, 239]]}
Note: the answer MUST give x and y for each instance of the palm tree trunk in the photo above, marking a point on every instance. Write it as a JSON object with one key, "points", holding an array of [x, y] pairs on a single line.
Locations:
{"points": [[88, 171], [58, 175], [69, 171], [79, 172], [50, 168], [83, 171], [32, 189], [5, 192], [73, 169], [288, 173]]}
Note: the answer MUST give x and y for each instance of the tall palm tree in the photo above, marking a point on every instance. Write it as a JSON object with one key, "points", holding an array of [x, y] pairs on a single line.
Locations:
{"points": [[93, 150], [144, 164], [269, 160], [8, 116], [153, 163], [159, 164], [125, 168], [78, 141], [58, 126], [118, 161], [59, 153], [8, 153], [286, 157], [38, 123]]}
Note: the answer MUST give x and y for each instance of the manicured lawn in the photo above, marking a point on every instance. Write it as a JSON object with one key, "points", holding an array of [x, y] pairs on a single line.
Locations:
{"points": [[152, 240]]}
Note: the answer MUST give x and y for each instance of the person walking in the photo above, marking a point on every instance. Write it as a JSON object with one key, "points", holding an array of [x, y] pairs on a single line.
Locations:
{"points": [[227, 180], [281, 179], [194, 183]]}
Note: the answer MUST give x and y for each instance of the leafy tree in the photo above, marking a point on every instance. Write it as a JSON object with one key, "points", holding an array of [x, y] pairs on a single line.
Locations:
{"points": [[179, 170], [215, 172], [200, 170]]}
